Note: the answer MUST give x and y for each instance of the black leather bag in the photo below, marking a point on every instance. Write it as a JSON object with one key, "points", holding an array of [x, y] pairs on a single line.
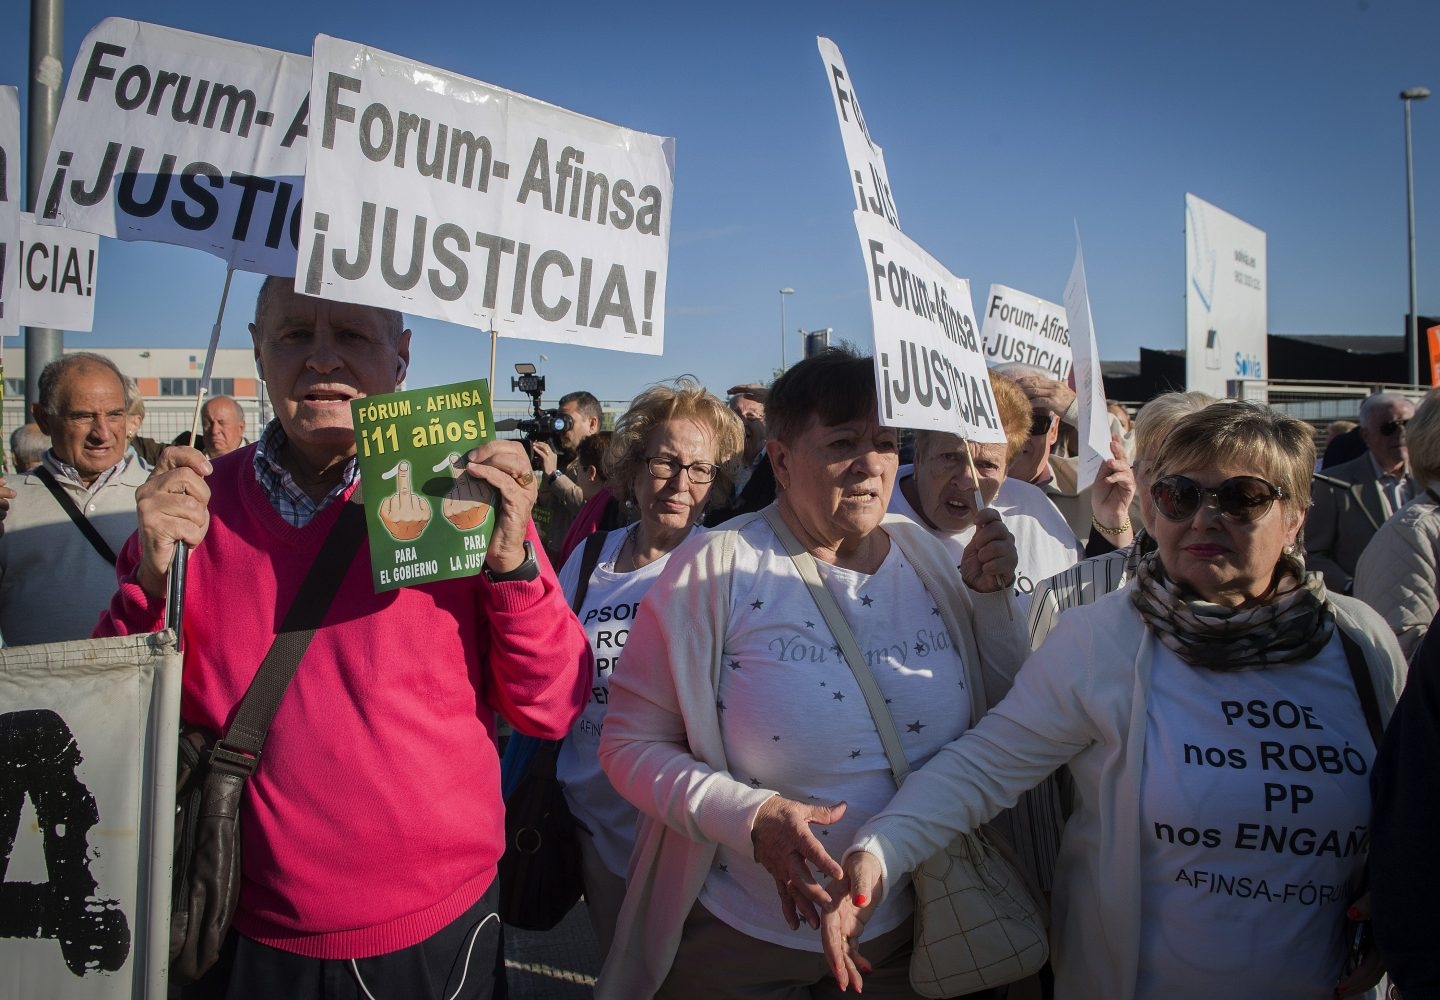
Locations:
{"points": [[211, 773], [539, 872], [206, 883]]}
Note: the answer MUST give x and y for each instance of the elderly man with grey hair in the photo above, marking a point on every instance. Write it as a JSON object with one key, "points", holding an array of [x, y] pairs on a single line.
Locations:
{"points": [[74, 510], [1353, 499], [27, 444]]}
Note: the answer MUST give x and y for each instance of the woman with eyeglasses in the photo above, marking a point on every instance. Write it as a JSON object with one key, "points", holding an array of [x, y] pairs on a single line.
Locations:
{"points": [[672, 450], [1219, 716], [738, 728]]}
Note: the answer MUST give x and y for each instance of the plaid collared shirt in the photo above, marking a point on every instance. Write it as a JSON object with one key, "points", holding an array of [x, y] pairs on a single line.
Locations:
{"points": [[63, 471], [288, 499]]}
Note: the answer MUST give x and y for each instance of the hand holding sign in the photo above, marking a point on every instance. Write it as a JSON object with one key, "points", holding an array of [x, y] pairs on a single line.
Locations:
{"points": [[504, 466], [404, 515], [990, 558], [172, 507]]}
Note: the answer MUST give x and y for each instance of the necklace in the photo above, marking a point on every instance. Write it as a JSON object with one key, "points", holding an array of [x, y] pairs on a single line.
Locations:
{"points": [[631, 542]]}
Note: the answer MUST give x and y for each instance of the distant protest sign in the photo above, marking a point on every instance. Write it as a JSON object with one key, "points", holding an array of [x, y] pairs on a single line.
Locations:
{"points": [[9, 206], [446, 197], [1089, 384], [180, 138], [1226, 300], [428, 519], [1023, 328], [929, 366], [87, 763], [57, 270], [865, 157]]}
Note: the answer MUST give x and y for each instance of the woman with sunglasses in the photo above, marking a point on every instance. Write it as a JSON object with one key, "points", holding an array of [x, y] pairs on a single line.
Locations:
{"points": [[1218, 716], [674, 449]]}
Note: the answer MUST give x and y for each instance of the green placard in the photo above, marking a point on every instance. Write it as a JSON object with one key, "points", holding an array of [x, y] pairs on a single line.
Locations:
{"points": [[426, 518]]}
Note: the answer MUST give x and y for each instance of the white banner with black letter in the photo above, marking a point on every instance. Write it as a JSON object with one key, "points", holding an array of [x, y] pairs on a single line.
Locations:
{"points": [[174, 137], [56, 274], [929, 366], [445, 197], [88, 733], [1025, 329], [9, 206]]}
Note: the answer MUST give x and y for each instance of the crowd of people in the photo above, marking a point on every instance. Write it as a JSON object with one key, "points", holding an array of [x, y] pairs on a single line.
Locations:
{"points": [[1174, 690]]}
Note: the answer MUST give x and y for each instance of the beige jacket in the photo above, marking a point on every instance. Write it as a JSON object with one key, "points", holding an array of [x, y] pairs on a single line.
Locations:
{"points": [[662, 747]]}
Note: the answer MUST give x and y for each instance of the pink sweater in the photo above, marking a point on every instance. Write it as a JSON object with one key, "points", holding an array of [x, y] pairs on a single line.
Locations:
{"points": [[375, 817]]}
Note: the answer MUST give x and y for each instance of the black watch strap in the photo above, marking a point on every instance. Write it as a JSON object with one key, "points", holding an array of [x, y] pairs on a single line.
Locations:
{"points": [[525, 572]]}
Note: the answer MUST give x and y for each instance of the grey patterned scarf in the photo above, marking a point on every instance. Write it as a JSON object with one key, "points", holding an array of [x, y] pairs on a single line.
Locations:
{"points": [[1291, 627]]}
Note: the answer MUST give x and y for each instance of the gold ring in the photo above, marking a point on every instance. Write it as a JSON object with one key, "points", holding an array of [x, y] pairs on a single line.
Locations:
{"points": [[527, 480]]}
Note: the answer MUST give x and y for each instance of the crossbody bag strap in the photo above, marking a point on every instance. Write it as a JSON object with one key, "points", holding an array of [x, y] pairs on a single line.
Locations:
{"points": [[589, 559], [845, 638], [240, 749], [67, 504], [1364, 686]]}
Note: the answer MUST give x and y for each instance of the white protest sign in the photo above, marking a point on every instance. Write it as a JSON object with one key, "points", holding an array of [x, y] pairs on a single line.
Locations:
{"points": [[1018, 327], [57, 270], [87, 736], [180, 138], [865, 157], [1226, 312], [9, 207], [929, 366], [445, 197], [1089, 384]]}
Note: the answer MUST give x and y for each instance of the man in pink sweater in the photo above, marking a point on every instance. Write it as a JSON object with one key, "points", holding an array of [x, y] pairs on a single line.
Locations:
{"points": [[372, 828]]}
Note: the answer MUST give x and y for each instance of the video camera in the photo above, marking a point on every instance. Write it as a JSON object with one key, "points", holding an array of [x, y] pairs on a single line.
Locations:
{"points": [[545, 425]]}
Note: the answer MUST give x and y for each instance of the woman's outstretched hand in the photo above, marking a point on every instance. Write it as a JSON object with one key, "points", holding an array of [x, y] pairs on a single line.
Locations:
{"points": [[853, 900]]}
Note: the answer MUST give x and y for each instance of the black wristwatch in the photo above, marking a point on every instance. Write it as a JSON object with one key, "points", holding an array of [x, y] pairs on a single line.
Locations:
{"points": [[525, 572]]}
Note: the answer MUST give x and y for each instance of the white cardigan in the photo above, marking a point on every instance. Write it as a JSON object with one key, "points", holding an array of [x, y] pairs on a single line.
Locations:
{"points": [[662, 747], [1081, 699]]}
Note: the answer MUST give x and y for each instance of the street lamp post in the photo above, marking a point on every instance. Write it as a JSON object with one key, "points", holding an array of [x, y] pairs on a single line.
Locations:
{"points": [[1406, 98], [783, 292]]}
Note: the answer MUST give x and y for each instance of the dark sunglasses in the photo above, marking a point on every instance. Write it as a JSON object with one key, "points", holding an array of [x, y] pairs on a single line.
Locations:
{"points": [[1391, 426], [1241, 498], [1039, 423]]}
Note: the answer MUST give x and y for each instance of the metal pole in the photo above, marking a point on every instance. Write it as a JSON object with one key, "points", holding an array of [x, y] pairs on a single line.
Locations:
{"points": [[784, 362], [47, 85], [1414, 344]]}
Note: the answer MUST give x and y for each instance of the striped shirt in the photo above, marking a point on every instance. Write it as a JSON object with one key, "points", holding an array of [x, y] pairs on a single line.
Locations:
{"points": [[1040, 815], [1084, 583], [290, 501]]}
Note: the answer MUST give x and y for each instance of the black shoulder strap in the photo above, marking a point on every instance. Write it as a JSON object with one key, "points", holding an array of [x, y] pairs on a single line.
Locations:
{"points": [[240, 749], [1364, 686], [588, 559], [97, 540]]}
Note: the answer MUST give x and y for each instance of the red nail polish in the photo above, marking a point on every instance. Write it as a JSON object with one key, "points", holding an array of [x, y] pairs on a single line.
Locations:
{"points": [[861, 899], [1353, 913]]}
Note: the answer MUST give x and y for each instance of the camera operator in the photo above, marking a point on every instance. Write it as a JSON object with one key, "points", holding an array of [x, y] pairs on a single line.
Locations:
{"points": [[560, 496]]}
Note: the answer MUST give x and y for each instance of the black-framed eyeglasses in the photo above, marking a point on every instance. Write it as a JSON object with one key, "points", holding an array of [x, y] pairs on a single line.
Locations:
{"points": [[1039, 423], [1240, 498], [1391, 426], [668, 468]]}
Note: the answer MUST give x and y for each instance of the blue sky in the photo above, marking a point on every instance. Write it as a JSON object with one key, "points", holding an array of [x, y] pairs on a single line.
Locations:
{"points": [[1004, 124]]}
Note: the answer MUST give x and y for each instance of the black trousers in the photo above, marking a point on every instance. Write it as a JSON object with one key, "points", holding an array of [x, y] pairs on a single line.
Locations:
{"points": [[462, 961]]}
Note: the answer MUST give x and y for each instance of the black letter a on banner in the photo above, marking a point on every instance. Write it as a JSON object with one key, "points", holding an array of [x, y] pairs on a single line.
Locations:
{"points": [[38, 757]]}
